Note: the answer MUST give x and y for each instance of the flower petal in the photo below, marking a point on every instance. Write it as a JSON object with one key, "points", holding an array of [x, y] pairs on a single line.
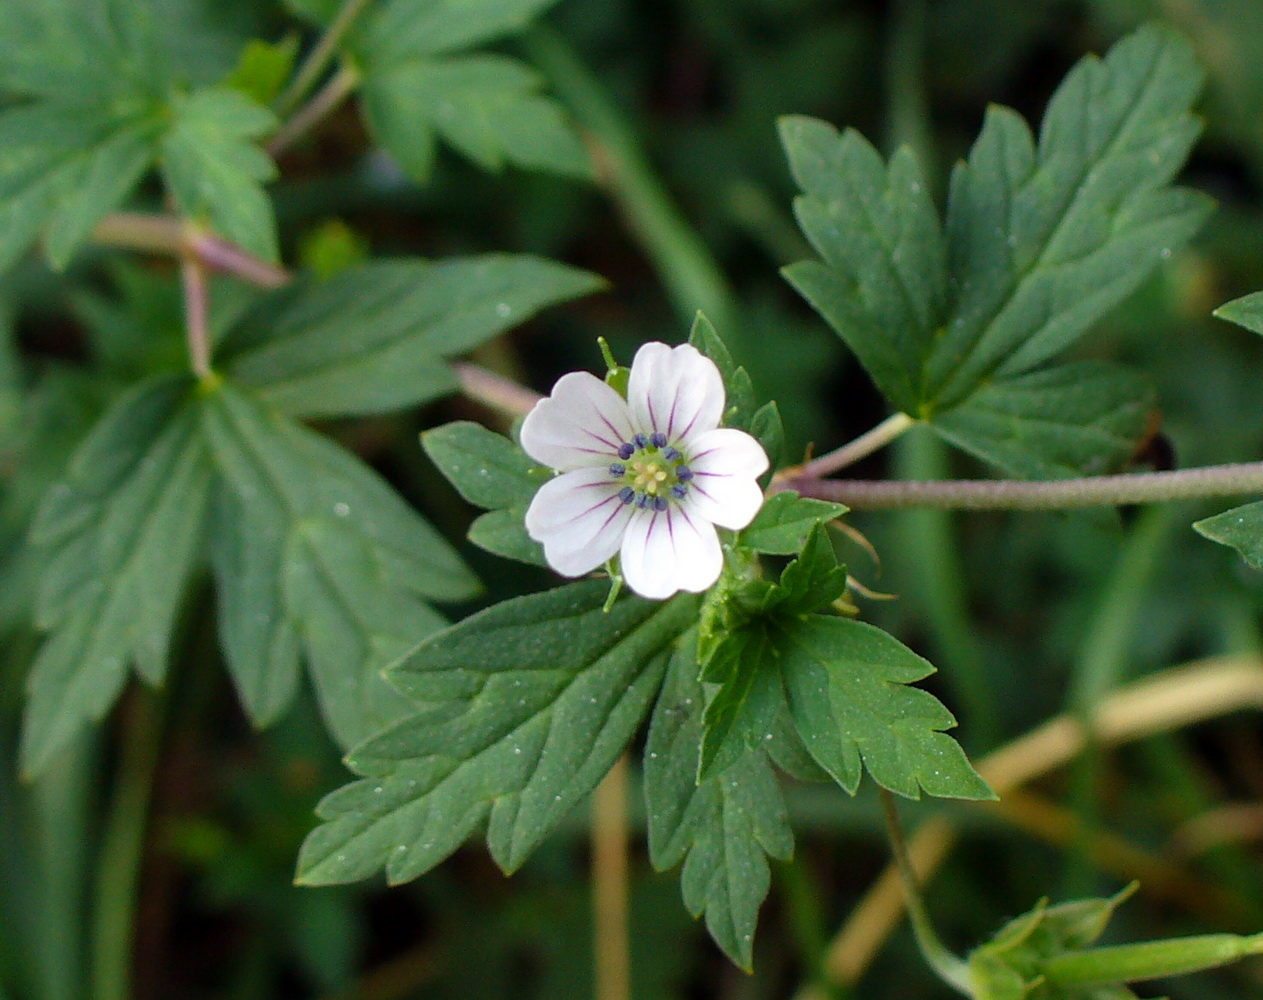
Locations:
{"points": [[582, 423], [579, 519], [666, 551], [675, 391], [726, 464]]}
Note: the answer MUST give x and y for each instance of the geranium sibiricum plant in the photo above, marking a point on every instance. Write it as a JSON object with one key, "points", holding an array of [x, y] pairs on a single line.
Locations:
{"points": [[166, 483], [646, 477]]}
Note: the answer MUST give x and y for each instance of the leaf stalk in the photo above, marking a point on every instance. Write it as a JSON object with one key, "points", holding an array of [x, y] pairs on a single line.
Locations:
{"points": [[870, 441], [320, 56]]}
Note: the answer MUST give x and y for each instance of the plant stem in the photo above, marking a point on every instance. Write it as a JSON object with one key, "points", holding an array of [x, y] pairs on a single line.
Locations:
{"points": [[495, 390], [863, 446], [119, 862], [320, 56], [946, 965], [170, 235], [1055, 494], [610, 888], [196, 310], [326, 99], [684, 264]]}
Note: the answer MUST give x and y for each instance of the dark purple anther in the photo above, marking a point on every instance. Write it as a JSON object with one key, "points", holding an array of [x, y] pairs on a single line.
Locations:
{"points": [[679, 491], [642, 500], [618, 469], [683, 473], [626, 494], [659, 503], [671, 455], [659, 440], [640, 441], [625, 451]]}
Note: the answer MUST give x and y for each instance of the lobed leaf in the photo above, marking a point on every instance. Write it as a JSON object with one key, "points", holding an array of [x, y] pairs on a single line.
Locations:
{"points": [[375, 337], [1240, 528], [488, 107], [848, 685], [314, 553], [1040, 241], [723, 827], [522, 709], [119, 537], [1082, 418], [487, 469], [785, 521], [216, 169]]}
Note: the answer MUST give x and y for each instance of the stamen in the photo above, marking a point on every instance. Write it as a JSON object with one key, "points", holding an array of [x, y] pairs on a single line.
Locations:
{"points": [[659, 440], [671, 455], [640, 441], [683, 473], [626, 494], [625, 451], [618, 469], [679, 491], [659, 503], [642, 500]]}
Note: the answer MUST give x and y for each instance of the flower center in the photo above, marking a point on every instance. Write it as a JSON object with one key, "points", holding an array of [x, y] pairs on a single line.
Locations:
{"points": [[651, 471]]}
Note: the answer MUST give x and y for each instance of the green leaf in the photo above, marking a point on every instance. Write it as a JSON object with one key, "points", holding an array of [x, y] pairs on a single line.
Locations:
{"points": [[1083, 418], [374, 338], [782, 525], [313, 551], [406, 29], [744, 708], [263, 68], [81, 51], [848, 687], [1041, 241], [1046, 240], [525, 706], [215, 168], [487, 469], [488, 107], [1240, 528], [883, 284], [503, 533], [723, 827], [65, 167], [1246, 311], [120, 535]]}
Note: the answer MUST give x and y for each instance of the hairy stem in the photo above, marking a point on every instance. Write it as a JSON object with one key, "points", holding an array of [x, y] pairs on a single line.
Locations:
{"points": [[610, 886], [320, 56], [1055, 494], [946, 965], [494, 390], [321, 105], [172, 236], [863, 446], [114, 919], [196, 309]]}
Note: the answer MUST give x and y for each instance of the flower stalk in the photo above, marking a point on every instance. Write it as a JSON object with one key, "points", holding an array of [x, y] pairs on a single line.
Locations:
{"points": [[320, 56], [948, 966]]}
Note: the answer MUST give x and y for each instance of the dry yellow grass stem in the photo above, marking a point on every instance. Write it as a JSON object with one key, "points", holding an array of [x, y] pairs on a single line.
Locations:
{"points": [[1162, 703]]}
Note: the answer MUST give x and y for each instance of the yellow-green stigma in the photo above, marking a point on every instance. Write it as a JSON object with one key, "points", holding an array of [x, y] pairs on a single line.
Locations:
{"points": [[651, 472]]}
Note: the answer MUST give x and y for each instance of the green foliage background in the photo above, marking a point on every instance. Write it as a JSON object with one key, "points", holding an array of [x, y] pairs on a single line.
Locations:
{"points": [[474, 197]]}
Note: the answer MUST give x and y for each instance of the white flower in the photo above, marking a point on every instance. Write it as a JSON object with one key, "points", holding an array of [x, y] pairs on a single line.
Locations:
{"points": [[648, 476]]}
